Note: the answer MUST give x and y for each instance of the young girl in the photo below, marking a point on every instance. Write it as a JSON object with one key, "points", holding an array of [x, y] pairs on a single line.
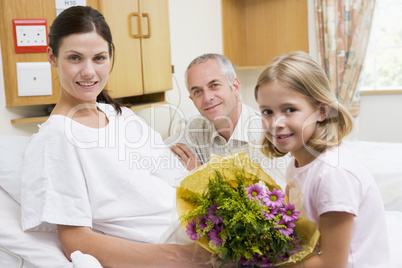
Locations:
{"points": [[302, 116]]}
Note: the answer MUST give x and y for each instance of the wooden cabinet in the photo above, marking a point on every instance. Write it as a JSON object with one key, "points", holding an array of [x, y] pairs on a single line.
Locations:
{"points": [[255, 31], [140, 30], [142, 38]]}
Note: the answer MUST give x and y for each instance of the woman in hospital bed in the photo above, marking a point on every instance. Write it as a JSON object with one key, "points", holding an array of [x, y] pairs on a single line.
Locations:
{"points": [[95, 165]]}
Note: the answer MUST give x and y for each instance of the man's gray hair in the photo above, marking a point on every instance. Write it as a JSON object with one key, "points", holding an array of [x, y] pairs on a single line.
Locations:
{"points": [[226, 66]]}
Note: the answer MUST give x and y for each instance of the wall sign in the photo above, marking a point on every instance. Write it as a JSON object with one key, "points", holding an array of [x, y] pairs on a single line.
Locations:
{"points": [[64, 4]]}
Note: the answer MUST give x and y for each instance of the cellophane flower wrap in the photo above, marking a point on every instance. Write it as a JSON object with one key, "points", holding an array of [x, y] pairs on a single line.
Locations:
{"points": [[233, 209]]}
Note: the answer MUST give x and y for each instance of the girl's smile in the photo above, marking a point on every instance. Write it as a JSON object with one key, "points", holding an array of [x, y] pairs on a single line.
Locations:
{"points": [[280, 138]]}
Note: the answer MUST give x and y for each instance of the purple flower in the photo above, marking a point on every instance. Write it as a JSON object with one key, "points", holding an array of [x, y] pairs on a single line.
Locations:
{"points": [[245, 262], [203, 222], [215, 219], [262, 261], [284, 227], [214, 235], [255, 192], [274, 199], [272, 213], [296, 241], [289, 213], [282, 258], [191, 230]]}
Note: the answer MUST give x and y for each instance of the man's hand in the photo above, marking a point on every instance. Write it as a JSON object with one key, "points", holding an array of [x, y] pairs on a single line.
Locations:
{"points": [[185, 156]]}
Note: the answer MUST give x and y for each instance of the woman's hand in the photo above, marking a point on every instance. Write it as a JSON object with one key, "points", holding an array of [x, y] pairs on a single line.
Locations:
{"points": [[194, 255], [116, 252]]}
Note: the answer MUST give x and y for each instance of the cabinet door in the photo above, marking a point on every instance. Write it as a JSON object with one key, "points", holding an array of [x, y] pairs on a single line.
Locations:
{"points": [[156, 53], [123, 19], [256, 31]]}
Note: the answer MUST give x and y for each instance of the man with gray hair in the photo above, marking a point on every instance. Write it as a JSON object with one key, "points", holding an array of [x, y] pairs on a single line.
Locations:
{"points": [[225, 124]]}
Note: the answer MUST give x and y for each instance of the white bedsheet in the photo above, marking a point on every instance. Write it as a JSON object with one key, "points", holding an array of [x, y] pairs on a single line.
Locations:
{"points": [[394, 220], [37, 249], [32, 249]]}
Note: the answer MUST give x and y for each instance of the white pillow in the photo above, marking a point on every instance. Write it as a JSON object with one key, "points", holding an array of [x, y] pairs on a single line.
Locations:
{"points": [[384, 161], [37, 249], [12, 150]]}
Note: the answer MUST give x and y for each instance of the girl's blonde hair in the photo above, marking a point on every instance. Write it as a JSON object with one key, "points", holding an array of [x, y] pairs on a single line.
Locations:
{"points": [[301, 73]]}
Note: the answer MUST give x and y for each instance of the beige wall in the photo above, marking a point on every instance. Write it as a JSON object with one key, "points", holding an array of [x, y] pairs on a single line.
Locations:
{"points": [[196, 29]]}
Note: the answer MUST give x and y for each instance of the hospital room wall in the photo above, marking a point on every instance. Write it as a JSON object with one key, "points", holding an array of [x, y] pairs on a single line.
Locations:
{"points": [[196, 29]]}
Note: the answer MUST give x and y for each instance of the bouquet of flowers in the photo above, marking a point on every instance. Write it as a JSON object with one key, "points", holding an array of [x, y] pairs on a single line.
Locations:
{"points": [[235, 210]]}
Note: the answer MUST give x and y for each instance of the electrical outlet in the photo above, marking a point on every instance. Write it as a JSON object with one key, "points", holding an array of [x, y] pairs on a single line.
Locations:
{"points": [[34, 78], [30, 35]]}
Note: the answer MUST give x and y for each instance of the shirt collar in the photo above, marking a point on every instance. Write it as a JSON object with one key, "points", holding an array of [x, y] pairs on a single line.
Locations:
{"points": [[240, 132]]}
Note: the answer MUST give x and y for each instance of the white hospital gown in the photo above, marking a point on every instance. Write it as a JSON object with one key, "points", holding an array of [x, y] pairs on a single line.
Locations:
{"points": [[118, 179]]}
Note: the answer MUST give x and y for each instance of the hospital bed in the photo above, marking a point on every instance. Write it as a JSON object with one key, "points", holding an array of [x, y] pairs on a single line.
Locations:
{"points": [[41, 249]]}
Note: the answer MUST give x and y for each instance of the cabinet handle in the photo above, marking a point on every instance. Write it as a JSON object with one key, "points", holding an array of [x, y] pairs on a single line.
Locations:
{"points": [[130, 25], [146, 15]]}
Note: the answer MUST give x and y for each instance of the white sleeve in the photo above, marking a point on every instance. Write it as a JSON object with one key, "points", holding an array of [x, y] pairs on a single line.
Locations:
{"points": [[53, 184], [338, 190]]}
